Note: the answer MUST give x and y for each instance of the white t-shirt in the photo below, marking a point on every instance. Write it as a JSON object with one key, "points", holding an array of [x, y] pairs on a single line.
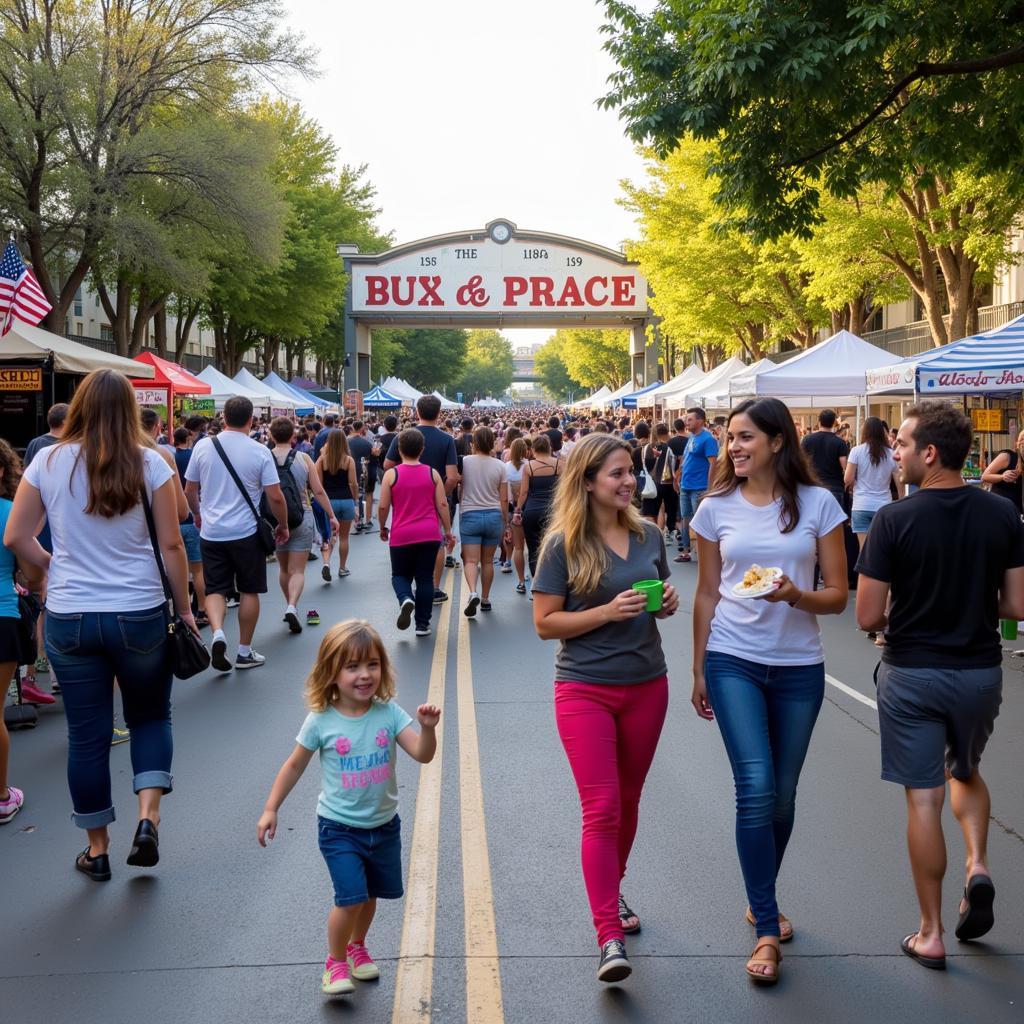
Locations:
{"points": [[514, 476], [225, 513], [871, 486], [98, 564], [767, 633], [482, 475]]}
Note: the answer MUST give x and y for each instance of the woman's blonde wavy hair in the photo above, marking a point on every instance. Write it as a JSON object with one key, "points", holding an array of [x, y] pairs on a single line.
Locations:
{"points": [[572, 517], [348, 641]]}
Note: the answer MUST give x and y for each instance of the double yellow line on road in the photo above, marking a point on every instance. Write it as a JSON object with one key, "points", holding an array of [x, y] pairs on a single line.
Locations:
{"points": [[414, 982]]}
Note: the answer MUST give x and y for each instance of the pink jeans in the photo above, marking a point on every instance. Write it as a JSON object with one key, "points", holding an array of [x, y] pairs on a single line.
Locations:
{"points": [[610, 734]]}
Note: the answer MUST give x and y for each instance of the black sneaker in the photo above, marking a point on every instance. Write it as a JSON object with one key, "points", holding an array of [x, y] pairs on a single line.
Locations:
{"points": [[449, 562], [219, 656], [293, 622], [405, 613], [325, 574], [440, 596], [614, 964]]}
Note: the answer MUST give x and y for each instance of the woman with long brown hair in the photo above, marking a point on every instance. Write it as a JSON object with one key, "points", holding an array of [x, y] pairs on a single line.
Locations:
{"points": [[758, 663], [611, 687], [106, 614], [536, 490], [514, 466], [337, 472]]}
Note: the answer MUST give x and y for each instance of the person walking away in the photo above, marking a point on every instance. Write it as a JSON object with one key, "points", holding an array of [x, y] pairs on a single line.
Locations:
{"points": [[828, 454], [55, 417], [226, 514], [611, 687], [513, 477], [353, 721], [554, 434], [1005, 474], [870, 473], [659, 462], [536, 490], [330, 422], [293, 554], [189, 531], [361, 449], [107, 612], [337, 472], [940, 677], [483, 520], [700, 460], [758, 665], [439, 455], [678, 441], [413, 495]]}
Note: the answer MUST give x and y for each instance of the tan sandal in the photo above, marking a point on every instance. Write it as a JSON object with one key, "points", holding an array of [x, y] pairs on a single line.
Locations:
{"points": [[775, 960], [786, 936]]}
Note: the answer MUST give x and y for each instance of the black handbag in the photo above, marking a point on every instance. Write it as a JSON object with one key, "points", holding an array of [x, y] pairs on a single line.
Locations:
{"points": [[187, 653], [28, 613], [264, 527]]}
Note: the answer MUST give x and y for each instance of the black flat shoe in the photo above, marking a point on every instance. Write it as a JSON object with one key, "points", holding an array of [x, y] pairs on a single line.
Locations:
{"points": [[934, 963], [145, 852], [97, 868], [978, 918]]}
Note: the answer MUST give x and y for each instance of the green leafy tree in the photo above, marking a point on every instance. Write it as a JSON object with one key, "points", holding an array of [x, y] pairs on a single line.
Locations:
{"points": [[595, 357], [808, 96], [431, 359], [489, 367], [549, 365]]}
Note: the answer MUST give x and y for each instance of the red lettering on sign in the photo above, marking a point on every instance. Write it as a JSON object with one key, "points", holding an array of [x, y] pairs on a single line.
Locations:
{"points": [[622, 291], [430, 297], [376, 291], [570, 293], [396, 296], [514, 287], [590, 294], [542, 289]]}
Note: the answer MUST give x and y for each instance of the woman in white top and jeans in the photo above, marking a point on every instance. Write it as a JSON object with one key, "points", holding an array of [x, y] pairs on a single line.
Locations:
{"points": [[106, 611], [870, 472], [758, 664], [483, 518]]}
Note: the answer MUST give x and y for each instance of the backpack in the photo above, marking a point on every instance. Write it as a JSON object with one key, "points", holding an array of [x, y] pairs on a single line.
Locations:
{"points": [[290, 490]]}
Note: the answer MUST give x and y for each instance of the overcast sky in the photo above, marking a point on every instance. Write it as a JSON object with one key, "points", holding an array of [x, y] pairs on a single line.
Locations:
{"points": [[468, 110]]}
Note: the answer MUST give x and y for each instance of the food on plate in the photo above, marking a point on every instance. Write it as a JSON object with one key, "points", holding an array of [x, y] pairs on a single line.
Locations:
{"points": [[757, 580]]}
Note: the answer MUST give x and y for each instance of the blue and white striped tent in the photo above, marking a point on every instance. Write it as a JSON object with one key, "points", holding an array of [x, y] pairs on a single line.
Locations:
{"points": [[629, 401], [982, 364], [378, 398]]}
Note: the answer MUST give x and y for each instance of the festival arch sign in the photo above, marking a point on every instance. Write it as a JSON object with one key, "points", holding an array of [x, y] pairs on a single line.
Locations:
{"points": [[498, 276]]}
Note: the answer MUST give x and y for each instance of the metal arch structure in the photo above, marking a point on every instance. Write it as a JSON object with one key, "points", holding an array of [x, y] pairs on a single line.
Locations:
{"points": [[494, 277]]}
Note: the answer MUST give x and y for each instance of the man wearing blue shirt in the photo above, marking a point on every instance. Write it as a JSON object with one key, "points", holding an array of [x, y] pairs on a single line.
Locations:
{"points": [[321, 438], [698, 464]]}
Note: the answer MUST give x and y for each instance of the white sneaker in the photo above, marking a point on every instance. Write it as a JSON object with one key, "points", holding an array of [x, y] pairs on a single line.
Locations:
{"points": [[423, 631], [472, 604], [405, 613], [250, 660]]}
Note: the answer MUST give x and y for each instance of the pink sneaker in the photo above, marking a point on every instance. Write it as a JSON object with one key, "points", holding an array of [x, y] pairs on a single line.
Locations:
{"points": [[10, 807], [31, 694], [363, 967], [336, 981]]}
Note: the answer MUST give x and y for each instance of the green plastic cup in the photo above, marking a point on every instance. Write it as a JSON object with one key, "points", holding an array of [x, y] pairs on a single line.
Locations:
{"points": [[652, 590], [1008, 629]]}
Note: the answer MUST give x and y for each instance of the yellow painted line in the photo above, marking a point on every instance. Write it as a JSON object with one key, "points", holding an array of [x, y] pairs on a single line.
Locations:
{"points": [[483, 973], [415, 975]]}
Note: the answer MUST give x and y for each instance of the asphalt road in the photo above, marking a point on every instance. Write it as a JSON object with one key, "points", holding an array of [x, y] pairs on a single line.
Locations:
{"points": [[495, 925]]}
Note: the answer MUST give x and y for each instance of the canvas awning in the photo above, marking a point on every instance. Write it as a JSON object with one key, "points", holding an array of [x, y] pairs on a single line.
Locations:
{"points": [[630, 401], [170, 374], [275, 398], [446, 403], [378, 398], [711, 382], [24, 342], [670, 389], [224, 388], [597, 398], [719, 398], [307, 402]]}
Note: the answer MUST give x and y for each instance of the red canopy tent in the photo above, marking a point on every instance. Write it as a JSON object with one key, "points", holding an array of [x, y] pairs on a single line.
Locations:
{"points": [[170, 381]]}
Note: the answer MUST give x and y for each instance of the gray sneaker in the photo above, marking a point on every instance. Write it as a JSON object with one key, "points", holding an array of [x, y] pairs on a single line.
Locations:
{"points": [[614, 964], [250, 660]]}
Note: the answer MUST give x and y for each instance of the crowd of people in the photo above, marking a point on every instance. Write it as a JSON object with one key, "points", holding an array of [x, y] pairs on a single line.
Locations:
{"points": [[585, 511]]}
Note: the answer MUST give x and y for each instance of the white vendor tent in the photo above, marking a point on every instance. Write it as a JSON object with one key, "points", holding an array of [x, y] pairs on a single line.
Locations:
{"points": [[616, 396], [486, 403], [829, 373], [400, 389], [711, 382], [716, 396], [275, 399], [595, 400], [23, 341], [224, 388], [673, 389], [446, 403]]}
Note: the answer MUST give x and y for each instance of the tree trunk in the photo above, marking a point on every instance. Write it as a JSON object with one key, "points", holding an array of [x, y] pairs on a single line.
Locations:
{"points": [[187, 311], [289, 360], [160, 331], [319, 370]]}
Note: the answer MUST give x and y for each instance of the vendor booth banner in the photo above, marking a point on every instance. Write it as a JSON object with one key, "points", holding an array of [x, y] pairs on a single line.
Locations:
{"points": [[891, 377], [202, 406], [20, 379], [961, 382]]}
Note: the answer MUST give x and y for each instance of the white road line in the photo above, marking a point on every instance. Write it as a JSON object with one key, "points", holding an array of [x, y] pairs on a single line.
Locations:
{"points": [[851, 692]]}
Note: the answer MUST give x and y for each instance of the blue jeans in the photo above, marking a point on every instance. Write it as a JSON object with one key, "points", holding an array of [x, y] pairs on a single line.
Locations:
{"points": [[87, 651], [766, 714]]}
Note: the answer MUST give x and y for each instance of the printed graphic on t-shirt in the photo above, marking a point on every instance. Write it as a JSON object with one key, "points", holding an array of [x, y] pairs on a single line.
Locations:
{"points": [[362, 770]]}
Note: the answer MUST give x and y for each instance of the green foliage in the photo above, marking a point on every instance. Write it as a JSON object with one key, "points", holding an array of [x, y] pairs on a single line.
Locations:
{"points": [[488, 370], [595, 357], [807, 97], [427, 359], [549, 365]]}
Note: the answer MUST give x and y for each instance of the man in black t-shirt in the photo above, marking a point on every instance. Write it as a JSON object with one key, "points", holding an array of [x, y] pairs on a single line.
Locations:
{"points": [[554, 434], [361, 449], [828, 454], [950, 558]]}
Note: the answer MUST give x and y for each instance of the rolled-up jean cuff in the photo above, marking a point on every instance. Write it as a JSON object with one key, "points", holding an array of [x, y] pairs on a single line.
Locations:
{"points": [[153, 780], [97, 819]]}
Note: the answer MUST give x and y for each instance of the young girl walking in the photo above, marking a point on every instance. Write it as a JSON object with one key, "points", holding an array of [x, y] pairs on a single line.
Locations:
{"points": [[354, 725]]}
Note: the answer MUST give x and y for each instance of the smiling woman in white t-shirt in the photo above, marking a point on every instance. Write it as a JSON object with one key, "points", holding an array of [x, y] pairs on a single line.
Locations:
{"points": [[765, 509]]}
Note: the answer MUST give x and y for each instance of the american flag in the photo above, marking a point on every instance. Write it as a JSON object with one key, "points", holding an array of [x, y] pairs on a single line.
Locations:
{"points": [[21, 298]]}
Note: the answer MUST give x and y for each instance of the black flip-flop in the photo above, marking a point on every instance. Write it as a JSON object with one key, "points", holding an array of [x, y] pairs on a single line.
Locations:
{"points": [[935, 963], [978, 918]]}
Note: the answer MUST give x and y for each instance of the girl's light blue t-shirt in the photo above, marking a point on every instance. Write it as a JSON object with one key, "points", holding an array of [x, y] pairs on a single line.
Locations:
{"points": [[8, 595], [357, 763]]}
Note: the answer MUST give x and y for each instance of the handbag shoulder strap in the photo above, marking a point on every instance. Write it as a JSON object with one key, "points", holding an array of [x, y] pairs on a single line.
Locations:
{"points": [[151, 525], [234, 476]]}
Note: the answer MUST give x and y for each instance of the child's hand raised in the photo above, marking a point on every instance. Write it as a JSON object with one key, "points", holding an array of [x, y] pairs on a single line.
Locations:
{"points": [[428, 715], [266, 827]]}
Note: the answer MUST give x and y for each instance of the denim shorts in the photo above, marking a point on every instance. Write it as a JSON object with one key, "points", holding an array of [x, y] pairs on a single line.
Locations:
{"points": [[190, 535], [689, 501], [344, 509], [860, 519], [482, 526], [365, 863]]}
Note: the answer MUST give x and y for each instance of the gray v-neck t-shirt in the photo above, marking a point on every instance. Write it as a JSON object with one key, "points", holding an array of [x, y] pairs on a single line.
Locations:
{"points": [[617, 653]]}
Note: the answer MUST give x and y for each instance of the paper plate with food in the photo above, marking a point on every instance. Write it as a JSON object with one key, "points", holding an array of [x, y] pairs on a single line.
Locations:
{"points": [[757, 581]]}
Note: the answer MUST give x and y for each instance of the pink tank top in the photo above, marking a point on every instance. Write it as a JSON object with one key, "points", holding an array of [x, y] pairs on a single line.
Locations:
{"points": [[413, 511]]}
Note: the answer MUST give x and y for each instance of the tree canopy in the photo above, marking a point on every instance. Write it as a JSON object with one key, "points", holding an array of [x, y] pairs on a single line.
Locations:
{"points": [[489, 368], [549, 365], [595, 356]]}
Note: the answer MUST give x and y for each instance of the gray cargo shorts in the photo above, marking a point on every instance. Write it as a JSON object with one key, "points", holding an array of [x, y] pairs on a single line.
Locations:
{"points": [[935, 721]]}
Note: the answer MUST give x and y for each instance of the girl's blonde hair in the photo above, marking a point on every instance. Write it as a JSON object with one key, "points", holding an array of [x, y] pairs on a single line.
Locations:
{"points": [[517, 453], [572, 517], [348, 641], [335, 452]]}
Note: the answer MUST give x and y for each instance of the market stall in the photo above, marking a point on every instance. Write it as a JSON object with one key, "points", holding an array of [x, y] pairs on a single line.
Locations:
{"points": [[709, 383], [223, 388], [715, 397], [661, 394], [309, 405], [167, 390], [378, 398], [278, 404], [594, 401], [630, 401]]}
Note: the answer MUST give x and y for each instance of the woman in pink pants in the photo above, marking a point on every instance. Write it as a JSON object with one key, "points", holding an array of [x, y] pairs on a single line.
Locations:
{"points": [[611, 688]]}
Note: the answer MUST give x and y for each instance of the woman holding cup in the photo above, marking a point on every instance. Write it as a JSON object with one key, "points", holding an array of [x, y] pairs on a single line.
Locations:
{"points": [[764, 508], [611, 688]]}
